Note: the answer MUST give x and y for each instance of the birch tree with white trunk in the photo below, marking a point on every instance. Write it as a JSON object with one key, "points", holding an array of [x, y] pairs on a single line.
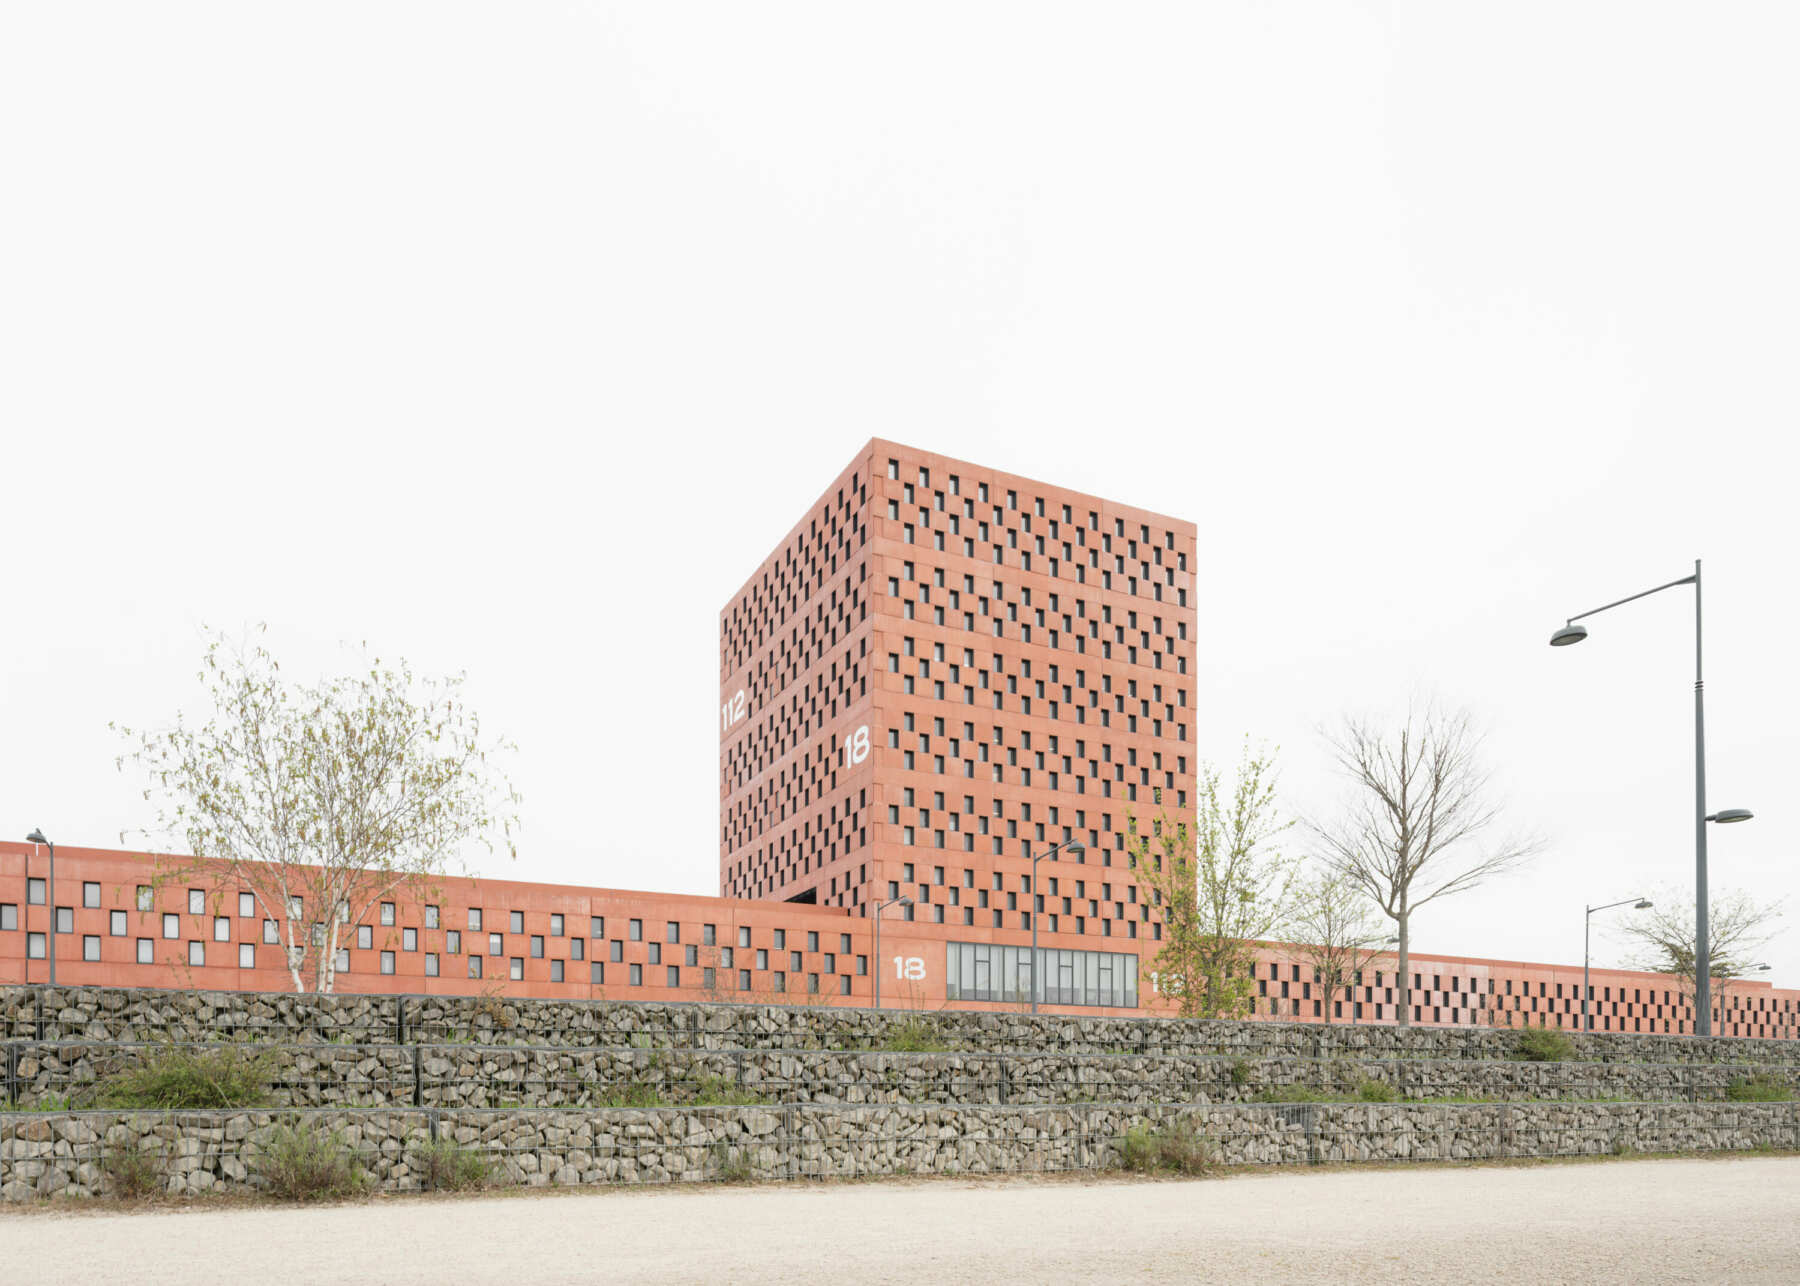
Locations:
{"points": [[321, 800]]}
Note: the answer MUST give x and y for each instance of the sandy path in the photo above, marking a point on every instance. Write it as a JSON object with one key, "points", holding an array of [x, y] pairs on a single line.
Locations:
{"points": [[1630, 1221]]}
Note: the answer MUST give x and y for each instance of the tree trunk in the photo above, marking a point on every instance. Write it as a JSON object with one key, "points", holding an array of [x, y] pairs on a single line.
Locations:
{"points": [[1404, 990]]}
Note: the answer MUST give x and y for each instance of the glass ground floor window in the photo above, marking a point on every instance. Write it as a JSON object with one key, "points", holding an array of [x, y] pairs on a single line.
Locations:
{"points": [[987, 971]]}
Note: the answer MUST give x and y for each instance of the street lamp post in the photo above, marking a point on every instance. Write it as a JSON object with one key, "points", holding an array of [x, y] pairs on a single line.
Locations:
{"points": [[37, 837], [1587, 928], [1074, 846], [879, 908], [1573, 633]]}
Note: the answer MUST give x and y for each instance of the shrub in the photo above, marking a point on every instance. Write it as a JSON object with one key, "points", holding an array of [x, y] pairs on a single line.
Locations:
{"points": [[304, 1163], [1759, 1087], [445, 1166], [1240, 1072], [135, 1172], [190, 1078], [914, 1036], [1544, 1045], [1373, 1091], [1179, 1148]]}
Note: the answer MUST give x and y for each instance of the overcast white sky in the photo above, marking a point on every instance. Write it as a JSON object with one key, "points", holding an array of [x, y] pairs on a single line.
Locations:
{"points": [[511, 337]]}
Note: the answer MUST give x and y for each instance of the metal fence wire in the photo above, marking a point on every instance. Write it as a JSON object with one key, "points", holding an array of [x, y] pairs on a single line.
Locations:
{"points": [[85, 1153], [72, 1075]]}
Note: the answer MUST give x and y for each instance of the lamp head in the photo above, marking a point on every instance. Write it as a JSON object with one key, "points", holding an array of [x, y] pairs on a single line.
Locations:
{"points": [[903, 902], [36, 837], [1727, 815], [1642, 904], [1568, 634], [1074, 846]]}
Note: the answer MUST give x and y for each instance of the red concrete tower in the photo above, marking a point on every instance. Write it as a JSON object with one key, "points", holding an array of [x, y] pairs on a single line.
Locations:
{"points": [[943, 669]]}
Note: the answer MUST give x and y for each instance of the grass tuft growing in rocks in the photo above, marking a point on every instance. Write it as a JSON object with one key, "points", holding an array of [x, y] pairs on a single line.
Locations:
{"points": [[305, 1163], [177, 1078], [1179, 1148], [444, 1166]]}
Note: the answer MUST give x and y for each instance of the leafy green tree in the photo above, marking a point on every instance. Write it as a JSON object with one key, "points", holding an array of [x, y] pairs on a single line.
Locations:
{"points": [[1738, 928], [1335, 929], [1219, 885], [321, 800]]}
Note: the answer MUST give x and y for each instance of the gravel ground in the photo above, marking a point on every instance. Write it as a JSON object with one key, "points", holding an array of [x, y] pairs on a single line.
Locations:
{"points": [[1709, 1221]]}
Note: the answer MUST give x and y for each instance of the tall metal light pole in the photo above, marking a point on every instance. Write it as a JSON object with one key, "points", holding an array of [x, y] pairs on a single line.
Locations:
{"points": [[879, 908], [1587, 927], [1573, 633], [37, 837], [1073, 846]]}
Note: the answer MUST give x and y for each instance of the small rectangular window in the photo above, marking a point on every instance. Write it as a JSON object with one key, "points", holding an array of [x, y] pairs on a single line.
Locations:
{"points": [[387, 963], [431, 917], [431, 964], [271, 933], [387, 913], [637, 931], [246, 955], [409, 939], [597, 973], [365, 937], [146, 950], [674, 976], [616, 950], [90, 893], [537, 946], [516, 922], [65, 919], [453, 942], [221, 928], [90, 946], [9, 916], [496, 944], [146, 897], [674, 932], [196, 952], [196, 901], [556, 971], [577, 948], [171, 927], [34, 946], [596, 926], [637, 975], [475, 919], [34, 891], [556, 926], [247, 905], [474, 966]]}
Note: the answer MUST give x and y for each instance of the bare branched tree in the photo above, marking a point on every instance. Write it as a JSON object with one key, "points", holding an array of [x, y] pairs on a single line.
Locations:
{"points": [[1661, 940], [1337, 931], [321, 800], [1419, 819]]}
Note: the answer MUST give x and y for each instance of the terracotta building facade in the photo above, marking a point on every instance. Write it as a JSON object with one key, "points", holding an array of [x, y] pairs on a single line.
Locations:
{"points": [[942, 671]]}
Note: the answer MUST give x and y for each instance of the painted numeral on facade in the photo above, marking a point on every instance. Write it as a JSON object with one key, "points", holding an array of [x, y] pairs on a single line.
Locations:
{"points": [[856, 748], [909, 968], [733, 710]]}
